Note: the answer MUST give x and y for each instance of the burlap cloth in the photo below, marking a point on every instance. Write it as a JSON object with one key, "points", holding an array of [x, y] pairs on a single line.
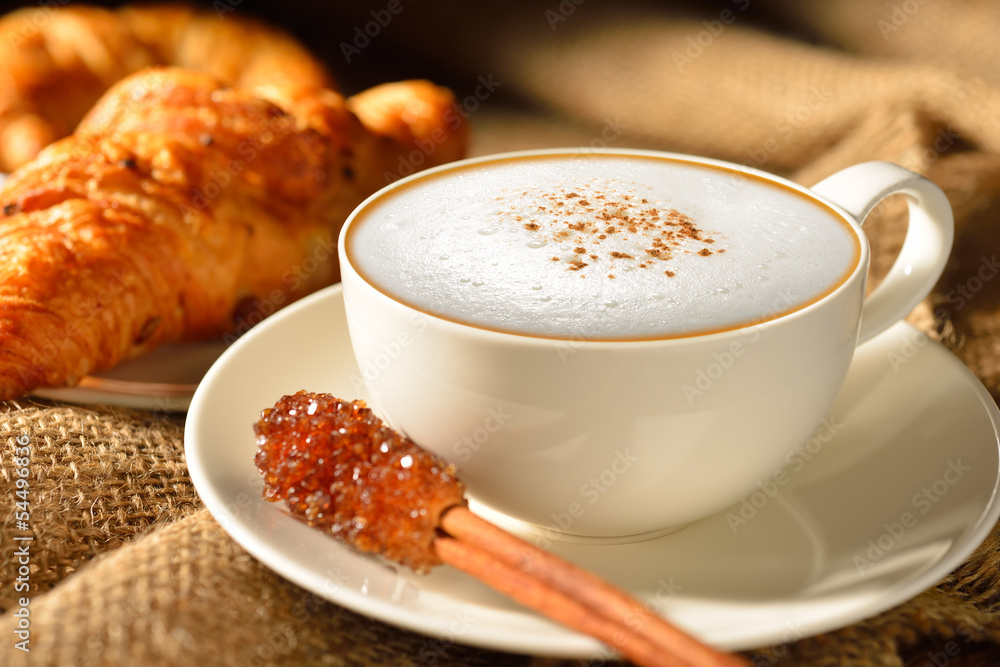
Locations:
{"points": [[127, 569]]}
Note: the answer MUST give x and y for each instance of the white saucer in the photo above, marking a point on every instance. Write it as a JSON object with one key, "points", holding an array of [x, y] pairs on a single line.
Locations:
{"points": [[163, 380], [897, 498]]}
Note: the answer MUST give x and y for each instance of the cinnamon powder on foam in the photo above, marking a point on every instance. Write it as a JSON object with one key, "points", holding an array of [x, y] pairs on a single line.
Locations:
{"points": [[591, 218]]}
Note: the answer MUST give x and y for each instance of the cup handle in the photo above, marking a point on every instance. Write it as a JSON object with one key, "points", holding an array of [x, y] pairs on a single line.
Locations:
{"points": [[927, 245]]}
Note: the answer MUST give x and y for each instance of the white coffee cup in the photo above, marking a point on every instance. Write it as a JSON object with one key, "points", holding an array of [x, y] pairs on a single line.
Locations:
{"points": [[599, 438]]}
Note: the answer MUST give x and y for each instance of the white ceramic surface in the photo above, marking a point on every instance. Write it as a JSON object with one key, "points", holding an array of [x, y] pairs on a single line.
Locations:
{"points": [[631, 438], [163, 380], [903, 489]]}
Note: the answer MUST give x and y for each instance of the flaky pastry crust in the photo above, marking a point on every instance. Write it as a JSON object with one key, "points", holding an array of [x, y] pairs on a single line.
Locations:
{"points": [[57, 61], [184, 209]]}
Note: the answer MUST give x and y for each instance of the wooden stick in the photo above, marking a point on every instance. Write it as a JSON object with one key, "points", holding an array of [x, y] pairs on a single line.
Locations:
{"points": [[635, 628], [551, 603]]}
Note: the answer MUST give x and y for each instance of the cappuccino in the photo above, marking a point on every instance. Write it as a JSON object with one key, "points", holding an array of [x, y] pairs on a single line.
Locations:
{"points": [[601, 247]]}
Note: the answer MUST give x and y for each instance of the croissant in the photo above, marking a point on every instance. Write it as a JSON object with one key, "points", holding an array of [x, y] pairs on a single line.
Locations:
{"points": [[56, 62], [183, 209]]}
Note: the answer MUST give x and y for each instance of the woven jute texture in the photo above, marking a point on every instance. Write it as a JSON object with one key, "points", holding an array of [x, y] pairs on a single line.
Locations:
{"points": [[126, 568]]}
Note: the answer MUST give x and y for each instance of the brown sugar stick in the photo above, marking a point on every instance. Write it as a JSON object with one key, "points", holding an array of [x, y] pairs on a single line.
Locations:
{"points": [[338, 467]]}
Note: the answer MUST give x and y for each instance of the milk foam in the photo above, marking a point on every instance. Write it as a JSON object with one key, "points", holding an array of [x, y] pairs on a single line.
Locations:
{"points": [[602, 247]]}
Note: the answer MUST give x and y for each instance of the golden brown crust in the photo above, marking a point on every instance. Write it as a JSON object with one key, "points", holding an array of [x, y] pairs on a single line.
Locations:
{"points": [[416, 113], [55, 62], [241, 51], [176, 203]]}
